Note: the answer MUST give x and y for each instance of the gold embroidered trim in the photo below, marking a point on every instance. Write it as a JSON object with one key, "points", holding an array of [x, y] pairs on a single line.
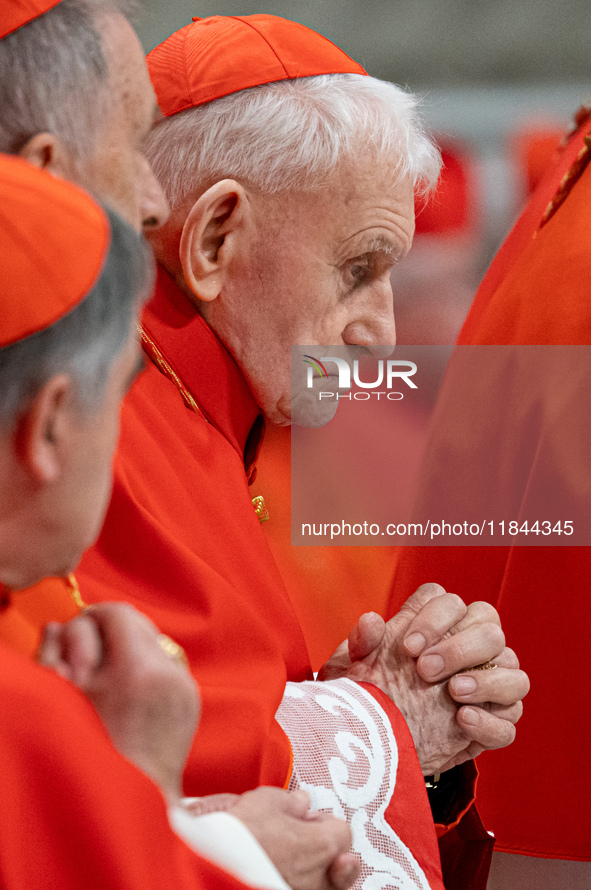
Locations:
{"points": [[260, 509], [150, 348], [74, 591], [568, 181]]}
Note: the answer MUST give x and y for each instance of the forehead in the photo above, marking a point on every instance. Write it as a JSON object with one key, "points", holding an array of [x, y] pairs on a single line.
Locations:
{"points": [[364, 206]]}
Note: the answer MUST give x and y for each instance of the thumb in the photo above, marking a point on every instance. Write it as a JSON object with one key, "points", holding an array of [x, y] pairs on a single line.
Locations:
{"points": [[402, 622], [366, 636], [344, 871], [419, 600]]}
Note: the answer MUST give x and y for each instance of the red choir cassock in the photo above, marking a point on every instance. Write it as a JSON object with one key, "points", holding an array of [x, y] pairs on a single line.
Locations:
{"points": [[74, 812], [537, 292]]}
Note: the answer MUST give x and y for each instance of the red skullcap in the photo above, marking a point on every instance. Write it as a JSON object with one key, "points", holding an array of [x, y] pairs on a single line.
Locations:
{"points": [[216, 56], [53, 242], [14, 13]]}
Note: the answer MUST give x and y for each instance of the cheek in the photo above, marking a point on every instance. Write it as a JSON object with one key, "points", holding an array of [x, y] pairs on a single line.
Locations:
{"points": [[119, 187], [100, 477]]}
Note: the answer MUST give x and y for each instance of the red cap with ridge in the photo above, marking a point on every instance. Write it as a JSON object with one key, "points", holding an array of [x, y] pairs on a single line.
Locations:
{"points": [[216, 56], [53, 243], [14, 13]]}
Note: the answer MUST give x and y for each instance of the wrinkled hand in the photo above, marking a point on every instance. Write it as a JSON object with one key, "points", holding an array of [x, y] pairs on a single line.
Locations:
{"points": [[147, 700], [434, 624], [495, 694], [310, 850]]}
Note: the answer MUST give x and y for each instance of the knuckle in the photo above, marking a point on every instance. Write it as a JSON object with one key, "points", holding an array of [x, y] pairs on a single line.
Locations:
{"points": [[342, 835], [494, 637], [484, 611], [500, 732], [526, 683], [508, 659], [456, 604], [430, 590], [509, 734], [300, 797]]}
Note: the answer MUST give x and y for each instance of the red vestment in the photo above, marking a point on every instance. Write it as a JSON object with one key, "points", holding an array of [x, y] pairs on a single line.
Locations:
{"points": [[183, 543], [536, 292], [74, 813]]}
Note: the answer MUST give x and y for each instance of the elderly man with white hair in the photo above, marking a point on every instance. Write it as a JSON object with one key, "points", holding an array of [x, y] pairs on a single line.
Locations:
{"points": [[291, 176]]}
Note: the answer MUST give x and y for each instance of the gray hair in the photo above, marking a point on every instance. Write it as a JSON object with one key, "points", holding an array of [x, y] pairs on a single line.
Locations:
{"points": [[85, 342], [291, 134], [54, 77]]}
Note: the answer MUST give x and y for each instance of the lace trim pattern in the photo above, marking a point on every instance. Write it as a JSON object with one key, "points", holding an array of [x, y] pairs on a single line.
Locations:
{"points": [[346, 758]]}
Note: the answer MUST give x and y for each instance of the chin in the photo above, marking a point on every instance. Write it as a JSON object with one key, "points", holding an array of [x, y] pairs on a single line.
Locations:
{"points": [[310, 411]]}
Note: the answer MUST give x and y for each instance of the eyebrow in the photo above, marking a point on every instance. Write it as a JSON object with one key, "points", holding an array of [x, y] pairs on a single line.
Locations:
{"points": [[383, 245]]}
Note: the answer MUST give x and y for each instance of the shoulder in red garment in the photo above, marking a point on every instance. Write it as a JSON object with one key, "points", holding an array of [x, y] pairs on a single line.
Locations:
{"points": [[541, 297], [482, 327], [74, 813], [183, 543]]}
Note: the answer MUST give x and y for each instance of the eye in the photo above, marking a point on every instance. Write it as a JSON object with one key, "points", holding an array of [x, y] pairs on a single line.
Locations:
{"points": [[357, 272]]}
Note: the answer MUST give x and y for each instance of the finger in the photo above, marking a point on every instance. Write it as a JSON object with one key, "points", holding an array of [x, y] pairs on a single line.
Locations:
{"points": [[500, 686], [479, 612], [420, 598], [469, 753], [436, 617], [125, 633], [366, 635], [474, 645], [81, 649], [335, 835], [212, 803], [297, 804], [49, 653], [507, 712], [344, 871], [507, 659], [485, 728]]}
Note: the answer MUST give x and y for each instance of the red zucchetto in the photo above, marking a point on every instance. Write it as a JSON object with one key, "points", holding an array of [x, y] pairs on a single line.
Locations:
{"points": [[219, 55], [15, 13], [53, 242]]}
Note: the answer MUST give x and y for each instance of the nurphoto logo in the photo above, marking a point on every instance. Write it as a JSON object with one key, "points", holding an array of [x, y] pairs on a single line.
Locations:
{"points": [[388, 373]]}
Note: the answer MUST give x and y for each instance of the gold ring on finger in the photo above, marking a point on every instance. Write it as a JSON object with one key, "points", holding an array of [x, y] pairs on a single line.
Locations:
{"points": [[485, 666], [172, 649]]}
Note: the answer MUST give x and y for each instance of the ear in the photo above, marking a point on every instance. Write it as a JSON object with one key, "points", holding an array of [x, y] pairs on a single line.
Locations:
{"points": [[46, 151], [43, 429], [215, 231]]}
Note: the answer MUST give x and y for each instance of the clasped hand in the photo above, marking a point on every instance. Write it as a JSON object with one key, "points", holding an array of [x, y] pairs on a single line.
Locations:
{"points": [[421, 659]]}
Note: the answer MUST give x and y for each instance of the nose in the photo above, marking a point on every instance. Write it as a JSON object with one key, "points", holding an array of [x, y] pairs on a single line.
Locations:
{"points": [[154, 206], [374, 327]]}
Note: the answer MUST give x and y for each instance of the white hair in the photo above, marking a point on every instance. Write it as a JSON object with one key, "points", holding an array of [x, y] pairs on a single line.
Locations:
{"points": [[291, 134]]}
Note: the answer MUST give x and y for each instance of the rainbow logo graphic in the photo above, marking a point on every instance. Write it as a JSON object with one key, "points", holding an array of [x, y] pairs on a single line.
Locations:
{"points": [[315, 363]]}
